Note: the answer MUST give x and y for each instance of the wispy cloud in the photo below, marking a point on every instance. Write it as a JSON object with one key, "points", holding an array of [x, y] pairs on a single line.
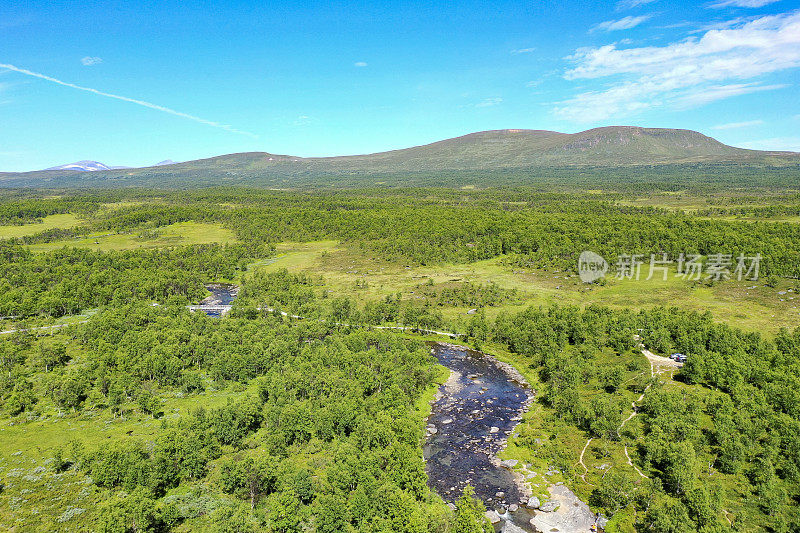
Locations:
{"points": [[88, 61], [624, 23], [788, 144], [523, 51], [360, 64], [630, 4], [489, 102], [720, 64], [741, 3], [705, 95], [142, 103], [737, 125]]}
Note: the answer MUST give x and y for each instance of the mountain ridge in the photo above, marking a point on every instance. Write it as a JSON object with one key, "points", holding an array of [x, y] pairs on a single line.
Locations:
{"points": [[610, 147]]}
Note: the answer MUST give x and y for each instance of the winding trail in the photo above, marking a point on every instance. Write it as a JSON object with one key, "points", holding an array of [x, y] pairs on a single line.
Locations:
{"points": [[580, 461], [36, 328], [636, 411], [658, 364]]}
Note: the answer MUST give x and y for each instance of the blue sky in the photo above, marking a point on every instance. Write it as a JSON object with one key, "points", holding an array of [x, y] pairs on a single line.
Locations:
{"points": [[132, 83]]}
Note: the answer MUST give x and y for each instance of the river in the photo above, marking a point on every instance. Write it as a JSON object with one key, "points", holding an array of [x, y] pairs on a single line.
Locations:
{"points": [[221, 294], [471, 420]]}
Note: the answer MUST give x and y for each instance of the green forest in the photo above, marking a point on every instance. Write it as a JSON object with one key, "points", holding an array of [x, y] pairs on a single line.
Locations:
{"points": [[304, 408]]}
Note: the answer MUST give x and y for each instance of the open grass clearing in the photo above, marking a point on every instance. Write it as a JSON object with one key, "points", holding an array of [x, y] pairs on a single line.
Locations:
{"points": [[350, 271], [63, 221], [179, 234]]}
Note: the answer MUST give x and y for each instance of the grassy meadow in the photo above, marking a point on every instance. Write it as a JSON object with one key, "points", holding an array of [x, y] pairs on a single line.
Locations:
{"points": [[348, 271], [179, 234]]}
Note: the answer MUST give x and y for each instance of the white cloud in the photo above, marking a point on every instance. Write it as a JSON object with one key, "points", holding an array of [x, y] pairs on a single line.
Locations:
{"points": [[302, 120], [737, 125], [720, 64], [88, 61], [705, 95], [142, 103], [360, 64], [523, 50], [788, 144], [624, 23], [489, 102], [630, 4], [741, 3]]}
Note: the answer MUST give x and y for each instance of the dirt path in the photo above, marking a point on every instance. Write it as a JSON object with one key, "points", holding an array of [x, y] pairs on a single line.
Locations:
{"points": [[580, 461], [658, 365], [660, 360], [55, 326]]}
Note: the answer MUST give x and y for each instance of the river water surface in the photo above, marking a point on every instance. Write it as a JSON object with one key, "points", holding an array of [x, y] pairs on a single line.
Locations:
{"points": [[469, 424], [221, 294]]}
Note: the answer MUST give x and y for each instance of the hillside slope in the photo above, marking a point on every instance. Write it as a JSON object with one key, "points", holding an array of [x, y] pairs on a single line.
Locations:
{"points": [[535, 151]]}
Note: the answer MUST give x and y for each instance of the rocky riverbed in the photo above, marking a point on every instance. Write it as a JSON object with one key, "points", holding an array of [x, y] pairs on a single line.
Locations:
{"points": [[472, 417]]}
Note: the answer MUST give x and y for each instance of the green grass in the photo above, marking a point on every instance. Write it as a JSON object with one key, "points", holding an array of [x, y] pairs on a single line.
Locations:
{"points": [[182, 233], [346, 268], [422, 407], [64, 221]]}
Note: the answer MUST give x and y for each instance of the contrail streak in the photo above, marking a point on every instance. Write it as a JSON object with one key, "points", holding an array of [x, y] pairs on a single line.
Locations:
{"points": [[131, 100]]}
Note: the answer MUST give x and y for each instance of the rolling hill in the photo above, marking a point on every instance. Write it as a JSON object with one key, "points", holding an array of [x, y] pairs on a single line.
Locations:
{"points": [[476, 158]]}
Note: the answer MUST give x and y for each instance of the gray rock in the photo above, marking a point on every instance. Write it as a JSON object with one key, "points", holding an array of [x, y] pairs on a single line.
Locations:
{"points": [[499, 494], [513, 508], [494, 429], [549, 506], [509, 463], [492, 517], [602, 521], [533, 503]]}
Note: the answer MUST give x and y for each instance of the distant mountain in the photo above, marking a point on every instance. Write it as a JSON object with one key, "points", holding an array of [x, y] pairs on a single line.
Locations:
{"points": [[530, 156], [94, 166], [83, 166]]}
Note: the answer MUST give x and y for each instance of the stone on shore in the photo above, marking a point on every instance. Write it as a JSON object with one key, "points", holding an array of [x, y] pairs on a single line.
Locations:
{"points": [[492, 517], [563, 512], [549, 506]]}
